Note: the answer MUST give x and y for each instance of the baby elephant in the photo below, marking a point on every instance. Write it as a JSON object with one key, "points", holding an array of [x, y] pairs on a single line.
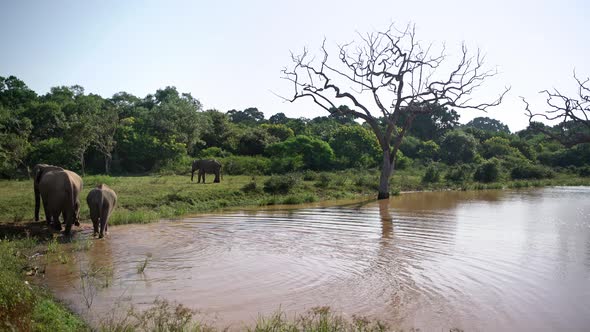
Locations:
{"points": [[101, 201]]}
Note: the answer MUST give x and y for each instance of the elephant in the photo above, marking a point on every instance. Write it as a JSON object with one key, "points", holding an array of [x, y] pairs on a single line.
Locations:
{"points": [[206, 166], [101, 201], [38, 171], [60, 191]]}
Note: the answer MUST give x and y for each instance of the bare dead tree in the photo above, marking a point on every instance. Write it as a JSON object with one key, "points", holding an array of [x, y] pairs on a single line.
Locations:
{"points": [[386, 75], [572, 112]]}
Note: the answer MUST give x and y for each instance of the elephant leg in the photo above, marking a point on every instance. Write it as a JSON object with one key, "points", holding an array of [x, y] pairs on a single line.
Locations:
{"points": [[216, 177], [55, 220], [104, 217], [94, 216], [47, 214], [192, 175]]}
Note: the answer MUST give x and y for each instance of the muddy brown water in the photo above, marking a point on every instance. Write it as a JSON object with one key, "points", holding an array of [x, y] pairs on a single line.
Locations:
{"points": [[479, 261]]}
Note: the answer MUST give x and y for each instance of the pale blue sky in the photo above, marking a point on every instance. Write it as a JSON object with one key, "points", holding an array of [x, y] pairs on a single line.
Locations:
{"points": [[229, 54]]}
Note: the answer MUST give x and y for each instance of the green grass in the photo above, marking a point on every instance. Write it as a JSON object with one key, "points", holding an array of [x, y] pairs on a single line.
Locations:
{"points": [[144, 199], [24, 306]]}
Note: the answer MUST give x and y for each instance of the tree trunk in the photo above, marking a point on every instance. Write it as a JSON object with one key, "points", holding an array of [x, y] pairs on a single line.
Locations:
{"points": [[107, 163], [82, 162], [386, 170]]}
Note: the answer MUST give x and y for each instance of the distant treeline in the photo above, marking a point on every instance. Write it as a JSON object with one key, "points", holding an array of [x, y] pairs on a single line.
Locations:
{"points": [[125, 134]]}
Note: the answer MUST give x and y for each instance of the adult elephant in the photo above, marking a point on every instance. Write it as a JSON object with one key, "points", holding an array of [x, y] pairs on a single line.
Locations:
{"points": [[39, 171], [60, 192], [206, 166]]}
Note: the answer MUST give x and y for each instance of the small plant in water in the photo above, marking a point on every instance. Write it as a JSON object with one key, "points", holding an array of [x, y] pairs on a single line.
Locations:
{"points": [[141, 267]]}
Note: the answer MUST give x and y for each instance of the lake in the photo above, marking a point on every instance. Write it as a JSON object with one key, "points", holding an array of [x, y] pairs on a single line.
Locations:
{"points": [[478, 261]]}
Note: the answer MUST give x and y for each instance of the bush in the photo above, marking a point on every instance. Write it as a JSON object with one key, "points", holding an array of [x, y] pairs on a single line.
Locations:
{"points": [[315, 153], [431, 175], [177, 166], [489, 171], [282, 165], [324, 181], [458, 147], [529, 171], [401, 161], [428, 150], [280, 184], [251, 187], [213, 152], [584, 171], [309, 175], [461, 173], [245, 165]]}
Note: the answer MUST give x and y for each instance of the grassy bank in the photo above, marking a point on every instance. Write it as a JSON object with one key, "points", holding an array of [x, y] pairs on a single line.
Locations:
{"points": [[23, 305], [148, 198]]}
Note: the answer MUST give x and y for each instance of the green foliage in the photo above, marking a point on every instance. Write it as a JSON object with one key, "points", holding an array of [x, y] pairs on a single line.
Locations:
{"points": [[458, 147], [428, 150], [316, 154], [279, 131], [584, 171], [245, 165], [459, 174], [432, 174], [401, 161], [286, 164], [250, 116], [213, 152], [487, 124], [432, 125], [529, 171], [499, 147], [255, 141], [410, 146], [487, 172], [48, 316], [23, 306], [355, 146], [280, 184]]}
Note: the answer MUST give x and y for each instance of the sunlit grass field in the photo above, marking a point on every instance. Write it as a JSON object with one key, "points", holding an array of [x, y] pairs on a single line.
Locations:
{"points": [[143, 199]]}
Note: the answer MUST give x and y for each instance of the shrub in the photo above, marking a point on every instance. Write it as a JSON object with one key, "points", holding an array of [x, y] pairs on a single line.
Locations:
{"points": [[324, 181], [177, 166], [315, 153], [584, 171], [282, 184], [428, 150], [309, 175], [251, 187], [401, 161], [460, 173], [431, 175], [285, 164], [457, 147], [245, 165], [213, 152], [489, 171], [529, 171]]}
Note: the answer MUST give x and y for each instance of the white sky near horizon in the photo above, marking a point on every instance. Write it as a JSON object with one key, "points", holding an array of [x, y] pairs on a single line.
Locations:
{"points": [[230, 54]]}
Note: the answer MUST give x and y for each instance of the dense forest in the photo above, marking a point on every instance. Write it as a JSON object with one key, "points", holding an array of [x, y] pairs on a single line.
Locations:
{"points": [[163, 131]]}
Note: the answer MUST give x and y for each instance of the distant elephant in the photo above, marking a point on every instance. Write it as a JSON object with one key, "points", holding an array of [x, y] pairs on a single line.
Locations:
{"points": [[60, 191], [101, 201], [38, 171], [206, 166]]}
